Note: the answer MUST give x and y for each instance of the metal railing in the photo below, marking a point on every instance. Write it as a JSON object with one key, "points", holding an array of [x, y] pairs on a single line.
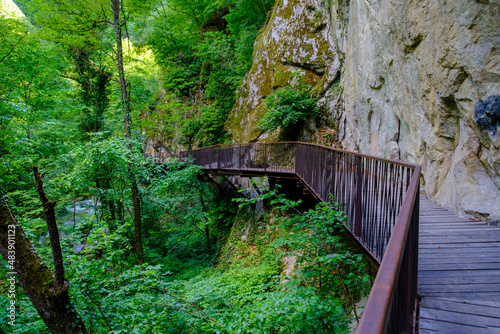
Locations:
{"points": [[381, 199]]}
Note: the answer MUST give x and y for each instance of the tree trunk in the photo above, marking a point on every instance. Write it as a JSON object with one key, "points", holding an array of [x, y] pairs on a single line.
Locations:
{"points": [[50, 300], [115, 4], [50, 218], [137, 223]]}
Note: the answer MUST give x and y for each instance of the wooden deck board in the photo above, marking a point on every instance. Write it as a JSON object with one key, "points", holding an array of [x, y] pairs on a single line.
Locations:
{"points": [[458, 279], [459, 273], [442, 327], [480, 251], [469, 259], [453, 316], [463, 273]]}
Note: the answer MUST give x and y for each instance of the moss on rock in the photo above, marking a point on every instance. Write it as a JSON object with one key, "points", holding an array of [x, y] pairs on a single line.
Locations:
{"points": [[296, 39]]}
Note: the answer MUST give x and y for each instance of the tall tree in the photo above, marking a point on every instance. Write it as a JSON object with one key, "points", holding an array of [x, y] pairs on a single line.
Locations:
{"points": [[93, 78], [80, 24], [118, 24]]}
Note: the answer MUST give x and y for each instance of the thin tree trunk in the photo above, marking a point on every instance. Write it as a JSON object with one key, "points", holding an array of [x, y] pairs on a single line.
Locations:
{"points": [[115, 4], [50, 218], [74, 211], [137, 223], [50, 301], [207, 236]]}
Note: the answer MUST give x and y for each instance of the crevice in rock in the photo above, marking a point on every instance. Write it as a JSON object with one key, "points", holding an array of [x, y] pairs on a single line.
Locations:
{"points": [[320, 28], [413, 43], [310, 7], [398, 134], [330, 84], [377, 83], [314, 68], [477, 215], [450, 105]]}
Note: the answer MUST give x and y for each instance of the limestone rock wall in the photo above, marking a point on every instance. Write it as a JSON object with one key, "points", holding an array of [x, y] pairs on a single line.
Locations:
{"points": [[414, 72], [297, 39]]}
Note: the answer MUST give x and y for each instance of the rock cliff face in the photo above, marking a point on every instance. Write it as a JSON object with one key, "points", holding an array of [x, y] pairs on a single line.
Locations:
{"points": [[297, 39], [413, 73]]}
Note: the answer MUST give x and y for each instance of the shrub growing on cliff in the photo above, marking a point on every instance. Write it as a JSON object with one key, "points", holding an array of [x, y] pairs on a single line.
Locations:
{"points": [[289, 107]]}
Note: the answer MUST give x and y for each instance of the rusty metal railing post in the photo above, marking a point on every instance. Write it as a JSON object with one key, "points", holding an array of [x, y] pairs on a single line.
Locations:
{"points": [[265, 157], [217, 150], [297, 150], [239, 156], [357, 209], [334, 172]]}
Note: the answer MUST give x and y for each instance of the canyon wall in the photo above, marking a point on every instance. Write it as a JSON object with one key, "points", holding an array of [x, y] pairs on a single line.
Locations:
{"points": [[412, 75], [297, 40], [415, 71]]}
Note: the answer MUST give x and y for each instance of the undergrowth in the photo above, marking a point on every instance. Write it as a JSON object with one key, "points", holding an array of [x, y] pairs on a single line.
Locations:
{"points": [[234, 285]]}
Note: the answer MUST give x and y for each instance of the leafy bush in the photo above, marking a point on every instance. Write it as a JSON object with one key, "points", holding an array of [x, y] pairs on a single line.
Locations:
{"points": [[296, 310], [317, 239], [206, 129], [289, 107]]}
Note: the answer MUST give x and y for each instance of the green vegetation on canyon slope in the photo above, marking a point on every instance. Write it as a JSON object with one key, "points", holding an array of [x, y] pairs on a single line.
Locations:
{"points": [[160, 248]]}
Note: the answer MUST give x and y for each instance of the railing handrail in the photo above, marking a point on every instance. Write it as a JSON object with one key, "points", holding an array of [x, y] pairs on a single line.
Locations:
{"points": [[396, 162], [379, 308]]}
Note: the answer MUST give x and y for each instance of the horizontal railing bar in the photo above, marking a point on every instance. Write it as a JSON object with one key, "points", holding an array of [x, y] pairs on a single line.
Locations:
{"points": [[396, 162], [379, 301]]}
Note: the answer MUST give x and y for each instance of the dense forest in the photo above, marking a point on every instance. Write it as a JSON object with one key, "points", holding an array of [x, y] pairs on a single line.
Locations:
{"points": [[108, 240]]}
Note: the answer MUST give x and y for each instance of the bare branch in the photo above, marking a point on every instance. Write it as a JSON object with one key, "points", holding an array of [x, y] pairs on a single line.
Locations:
{"points": [[100, 310]]}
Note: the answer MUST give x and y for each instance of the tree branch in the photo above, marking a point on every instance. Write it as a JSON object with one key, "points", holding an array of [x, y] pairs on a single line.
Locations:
{"points": [[14, 46], [100, 310]]}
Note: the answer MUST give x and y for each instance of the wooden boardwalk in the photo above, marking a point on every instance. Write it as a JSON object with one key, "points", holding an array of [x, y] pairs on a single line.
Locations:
{"points": [[459, 260], [459, 273]]}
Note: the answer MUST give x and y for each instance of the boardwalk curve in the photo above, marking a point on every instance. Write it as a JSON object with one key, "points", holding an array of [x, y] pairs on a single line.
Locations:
{"points": [[458, 260], [381, 200]]}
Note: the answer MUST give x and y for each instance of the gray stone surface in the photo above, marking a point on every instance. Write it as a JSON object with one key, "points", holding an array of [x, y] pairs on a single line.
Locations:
{"points": [[414, 71]]}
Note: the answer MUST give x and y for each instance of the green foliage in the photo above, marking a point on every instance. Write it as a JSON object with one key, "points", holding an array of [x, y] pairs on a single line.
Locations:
{"points": [[288, 108], [78, 23], [316, 238], [206, 129], [272, 196], [205, 48], [297, 310], [37, 109], [166, 118], [178, 79]]}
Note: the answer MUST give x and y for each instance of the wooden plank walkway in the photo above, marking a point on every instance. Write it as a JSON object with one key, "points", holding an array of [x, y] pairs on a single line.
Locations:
{"points": [[459, 273]]}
